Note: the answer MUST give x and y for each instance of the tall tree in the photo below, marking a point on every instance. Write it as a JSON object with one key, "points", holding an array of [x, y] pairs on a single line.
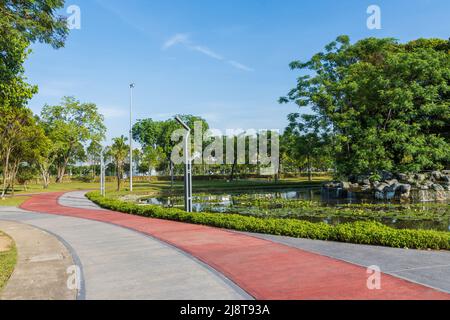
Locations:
{"points": [[387, 102], [150, 133], [152, 158], [71, 125], [20, 137], [310, 141], [119, 152]]}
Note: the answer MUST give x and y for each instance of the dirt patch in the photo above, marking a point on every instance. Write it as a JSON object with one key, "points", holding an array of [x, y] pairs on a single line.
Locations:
{"points": [[5, 243]]}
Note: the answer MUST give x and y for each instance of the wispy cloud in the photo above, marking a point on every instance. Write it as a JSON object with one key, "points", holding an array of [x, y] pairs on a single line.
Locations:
{"points": [[184, 40], [208, 52], [239, 65], [179, 38]]}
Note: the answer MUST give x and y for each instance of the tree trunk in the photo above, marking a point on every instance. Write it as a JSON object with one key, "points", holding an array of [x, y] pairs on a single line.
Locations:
{"points": [[5, 173], [118, 176], [45, 175], [309, 169], [233, 169], [60, 175], [62, 170], [14, 171]]}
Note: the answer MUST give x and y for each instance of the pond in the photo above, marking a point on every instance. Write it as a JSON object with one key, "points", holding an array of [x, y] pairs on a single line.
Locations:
{"points": [[317, 205]]}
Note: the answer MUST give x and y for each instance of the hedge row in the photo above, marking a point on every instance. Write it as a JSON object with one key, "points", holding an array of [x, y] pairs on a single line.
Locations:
{"points": [[363, 232]]}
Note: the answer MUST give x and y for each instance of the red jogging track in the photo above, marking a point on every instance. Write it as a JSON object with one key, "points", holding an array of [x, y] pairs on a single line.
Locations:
{"points": [[265, 270]]}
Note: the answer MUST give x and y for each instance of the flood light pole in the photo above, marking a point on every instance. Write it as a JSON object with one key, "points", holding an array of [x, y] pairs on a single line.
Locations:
{"points": [[131, 136], [187, 168]]}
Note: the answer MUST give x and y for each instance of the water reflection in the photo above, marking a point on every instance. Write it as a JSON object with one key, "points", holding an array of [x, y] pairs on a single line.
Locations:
{"points": [[223, 203]]}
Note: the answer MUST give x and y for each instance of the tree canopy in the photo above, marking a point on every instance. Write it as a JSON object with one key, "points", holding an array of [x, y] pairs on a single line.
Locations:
{"points": [[69, 126], [387, 102], [34, 20], [150, 133]]}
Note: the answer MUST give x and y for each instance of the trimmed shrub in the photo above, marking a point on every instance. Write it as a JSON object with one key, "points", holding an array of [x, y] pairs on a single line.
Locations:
{"points": [[361, 232]]}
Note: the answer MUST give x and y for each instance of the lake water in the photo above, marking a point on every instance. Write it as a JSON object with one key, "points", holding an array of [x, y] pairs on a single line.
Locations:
{"points": [[223, 203]]}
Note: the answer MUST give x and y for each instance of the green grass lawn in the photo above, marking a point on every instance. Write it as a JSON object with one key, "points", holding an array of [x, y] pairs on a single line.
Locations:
{"points": [[13, 201], [8, 261], [161, 187]]}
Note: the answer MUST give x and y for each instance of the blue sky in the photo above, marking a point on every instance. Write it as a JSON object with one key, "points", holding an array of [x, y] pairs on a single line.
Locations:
{"points": [[224, 60]]}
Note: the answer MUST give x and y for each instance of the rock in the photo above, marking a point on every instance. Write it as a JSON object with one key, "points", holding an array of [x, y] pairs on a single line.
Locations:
{"points": [[365, 188], [437, 175], [402, 177], [405, 191], [420, 177], [437, 187], [392, 182], [345, 185], [366, 182], [446, 179], [381, 187]]}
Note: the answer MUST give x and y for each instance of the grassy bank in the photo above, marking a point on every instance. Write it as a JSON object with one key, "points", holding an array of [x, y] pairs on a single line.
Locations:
{"points": [[8, 259], [366, 232], [13, 201]]}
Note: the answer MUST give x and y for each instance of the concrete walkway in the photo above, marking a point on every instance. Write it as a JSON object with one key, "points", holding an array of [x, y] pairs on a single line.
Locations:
{"points": [[118, 263], [42, 265], [265, 269]]}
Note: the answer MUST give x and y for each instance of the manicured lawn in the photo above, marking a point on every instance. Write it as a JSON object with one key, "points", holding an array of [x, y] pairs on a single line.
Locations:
{"points": [[59, 187], [8, 260], [13, 201]]}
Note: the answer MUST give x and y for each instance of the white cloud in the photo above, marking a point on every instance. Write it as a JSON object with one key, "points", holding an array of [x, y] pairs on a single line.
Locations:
{"points": [[184, 39], [239, 65], [208, 52], [179, 38]]}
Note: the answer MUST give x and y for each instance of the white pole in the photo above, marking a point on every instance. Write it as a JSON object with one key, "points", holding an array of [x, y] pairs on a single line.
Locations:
{"points": [[187, 167], [131, 137], [102, 174]]}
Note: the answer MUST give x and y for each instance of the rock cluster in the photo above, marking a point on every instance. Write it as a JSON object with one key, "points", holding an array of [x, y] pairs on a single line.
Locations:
{"points": [[422, 186]]}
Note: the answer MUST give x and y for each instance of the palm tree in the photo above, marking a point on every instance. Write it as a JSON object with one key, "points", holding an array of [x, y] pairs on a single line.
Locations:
{"points": [[119, 152]]}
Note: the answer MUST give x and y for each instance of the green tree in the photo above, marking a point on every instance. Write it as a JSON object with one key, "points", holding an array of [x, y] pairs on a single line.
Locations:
{"points": [[150, 133], [152, 159], [34, 20], [20, 140], [69, 126], [94, 151], [119, 151], [22, 23], [388, 102], [309, 141]]}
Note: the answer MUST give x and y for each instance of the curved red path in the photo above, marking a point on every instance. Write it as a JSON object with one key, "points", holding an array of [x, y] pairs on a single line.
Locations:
{"points": [[264, 269]]}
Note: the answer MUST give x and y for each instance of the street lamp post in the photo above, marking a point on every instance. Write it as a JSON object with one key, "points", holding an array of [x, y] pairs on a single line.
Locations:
{"points": [[131, 136], [187, 168], [102, 174]]}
